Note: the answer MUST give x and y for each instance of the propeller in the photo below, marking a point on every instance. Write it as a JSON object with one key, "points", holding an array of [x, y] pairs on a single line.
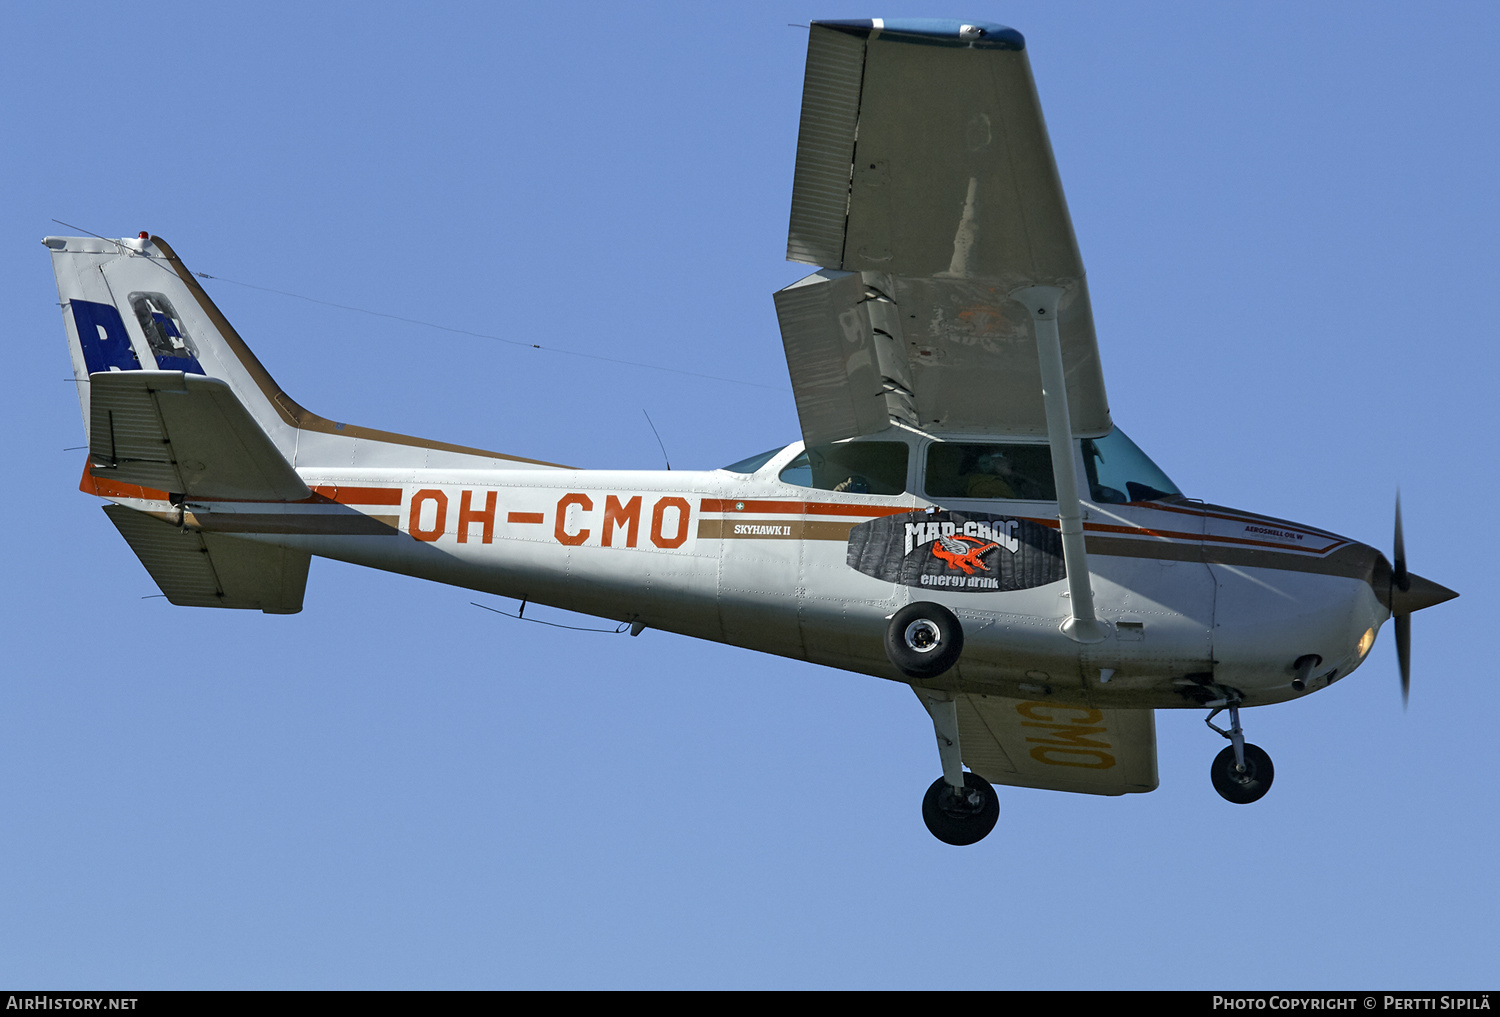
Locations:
{"points": [[1401, 580], [1408, 592]]}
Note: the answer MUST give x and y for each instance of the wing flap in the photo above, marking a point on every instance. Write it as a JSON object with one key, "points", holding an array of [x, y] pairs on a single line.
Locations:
{"points": [[843, 343], [196, 569], [1028, 743], [184, 434]]}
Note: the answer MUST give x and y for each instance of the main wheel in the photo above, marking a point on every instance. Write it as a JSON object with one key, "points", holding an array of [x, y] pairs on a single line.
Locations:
{"points": [[923, 640], [1243, 786], [961, 819]]}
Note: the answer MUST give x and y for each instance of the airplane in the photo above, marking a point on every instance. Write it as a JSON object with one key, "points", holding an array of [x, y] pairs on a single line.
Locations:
{"points": [[961, 514]]}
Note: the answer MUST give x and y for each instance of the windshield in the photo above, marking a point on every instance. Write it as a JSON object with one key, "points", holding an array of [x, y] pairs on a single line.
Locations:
{"points": [[753, 463], [1119, 472]]}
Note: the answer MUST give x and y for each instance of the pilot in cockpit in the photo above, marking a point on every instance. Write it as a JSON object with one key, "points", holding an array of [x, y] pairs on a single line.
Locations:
{"points": [[993, 476]]}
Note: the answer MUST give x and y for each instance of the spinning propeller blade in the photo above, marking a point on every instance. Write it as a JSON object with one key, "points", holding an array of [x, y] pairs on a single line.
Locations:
{"points": [[1401, 580], [1408, 593], [1398, 562]]}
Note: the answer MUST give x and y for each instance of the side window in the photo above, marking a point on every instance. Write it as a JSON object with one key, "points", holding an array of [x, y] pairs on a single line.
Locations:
{"points": [[852, 467], [990, 471]]}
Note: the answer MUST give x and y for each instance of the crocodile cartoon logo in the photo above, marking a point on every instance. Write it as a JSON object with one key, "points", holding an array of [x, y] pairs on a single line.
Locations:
{"points": [[961, 552]]}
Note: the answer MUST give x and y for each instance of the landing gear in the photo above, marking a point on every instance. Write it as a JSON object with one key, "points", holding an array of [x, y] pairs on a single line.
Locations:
{"points": [[923, 640], [1242, 773], [961, 817], [960, 807], [1242, 784]]}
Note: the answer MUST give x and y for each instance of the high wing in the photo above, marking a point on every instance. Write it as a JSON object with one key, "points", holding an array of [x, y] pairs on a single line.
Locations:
{"points": [[926, 190], [1055, 746]]}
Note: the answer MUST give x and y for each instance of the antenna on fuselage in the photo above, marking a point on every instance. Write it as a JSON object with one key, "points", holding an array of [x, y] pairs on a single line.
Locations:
{"points": [[658, 439]]}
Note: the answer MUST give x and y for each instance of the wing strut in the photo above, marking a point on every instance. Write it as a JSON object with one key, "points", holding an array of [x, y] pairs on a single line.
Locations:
{"points": [[1041, 301]]}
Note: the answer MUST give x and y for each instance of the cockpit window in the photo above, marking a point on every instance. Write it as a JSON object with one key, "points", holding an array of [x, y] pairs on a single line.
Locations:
{"points": [[753, 463], [854, 467], [989, 470], [1119, 472]]}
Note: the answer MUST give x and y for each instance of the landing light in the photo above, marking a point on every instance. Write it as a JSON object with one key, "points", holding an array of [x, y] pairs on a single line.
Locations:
{"points": [[1365, 642]]}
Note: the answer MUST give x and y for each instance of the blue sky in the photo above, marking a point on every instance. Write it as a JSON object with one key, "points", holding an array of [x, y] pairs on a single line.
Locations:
{"points": [[1288, 218]]}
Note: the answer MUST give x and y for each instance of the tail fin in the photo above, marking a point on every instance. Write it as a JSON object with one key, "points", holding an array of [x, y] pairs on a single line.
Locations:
{"points": [[178, 409], [132, 305]]}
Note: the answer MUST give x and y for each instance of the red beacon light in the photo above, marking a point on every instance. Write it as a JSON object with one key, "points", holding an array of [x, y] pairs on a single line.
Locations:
{"points": [[145, 235]]}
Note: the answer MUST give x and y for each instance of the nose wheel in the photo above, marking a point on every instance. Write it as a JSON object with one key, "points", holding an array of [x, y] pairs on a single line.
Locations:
{"points": [[1242, 773], [1242, 783]]}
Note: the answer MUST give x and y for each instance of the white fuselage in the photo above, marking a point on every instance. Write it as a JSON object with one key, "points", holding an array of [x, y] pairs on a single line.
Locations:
{"points": [[1192, 597]]}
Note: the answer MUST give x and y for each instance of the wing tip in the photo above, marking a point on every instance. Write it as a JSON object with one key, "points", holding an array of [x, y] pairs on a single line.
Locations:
{"points": [[933, 32]]}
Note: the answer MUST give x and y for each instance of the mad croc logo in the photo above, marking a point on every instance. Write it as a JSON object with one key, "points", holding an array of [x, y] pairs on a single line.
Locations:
{"points": [[970, 552], [965, 553]]}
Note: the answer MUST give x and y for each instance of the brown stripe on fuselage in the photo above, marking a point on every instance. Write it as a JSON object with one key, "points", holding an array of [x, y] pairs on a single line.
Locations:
{"points": [[316, 524], [1206, 537], [773, 529], [1353, 561], [1203, 509]]}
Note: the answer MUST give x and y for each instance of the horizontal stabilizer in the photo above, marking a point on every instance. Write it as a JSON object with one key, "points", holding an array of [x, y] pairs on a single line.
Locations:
{"points": [[198, 569], [184, 434]]}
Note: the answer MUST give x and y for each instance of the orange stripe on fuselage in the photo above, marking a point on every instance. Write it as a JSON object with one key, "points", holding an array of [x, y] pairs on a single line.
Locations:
{"points": [[811, 508], [359, 495], [103, 487]]}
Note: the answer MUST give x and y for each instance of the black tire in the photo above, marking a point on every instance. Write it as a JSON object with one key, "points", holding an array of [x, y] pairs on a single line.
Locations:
{"points": [[961, 819], [1249, 786], [923, 640]]}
